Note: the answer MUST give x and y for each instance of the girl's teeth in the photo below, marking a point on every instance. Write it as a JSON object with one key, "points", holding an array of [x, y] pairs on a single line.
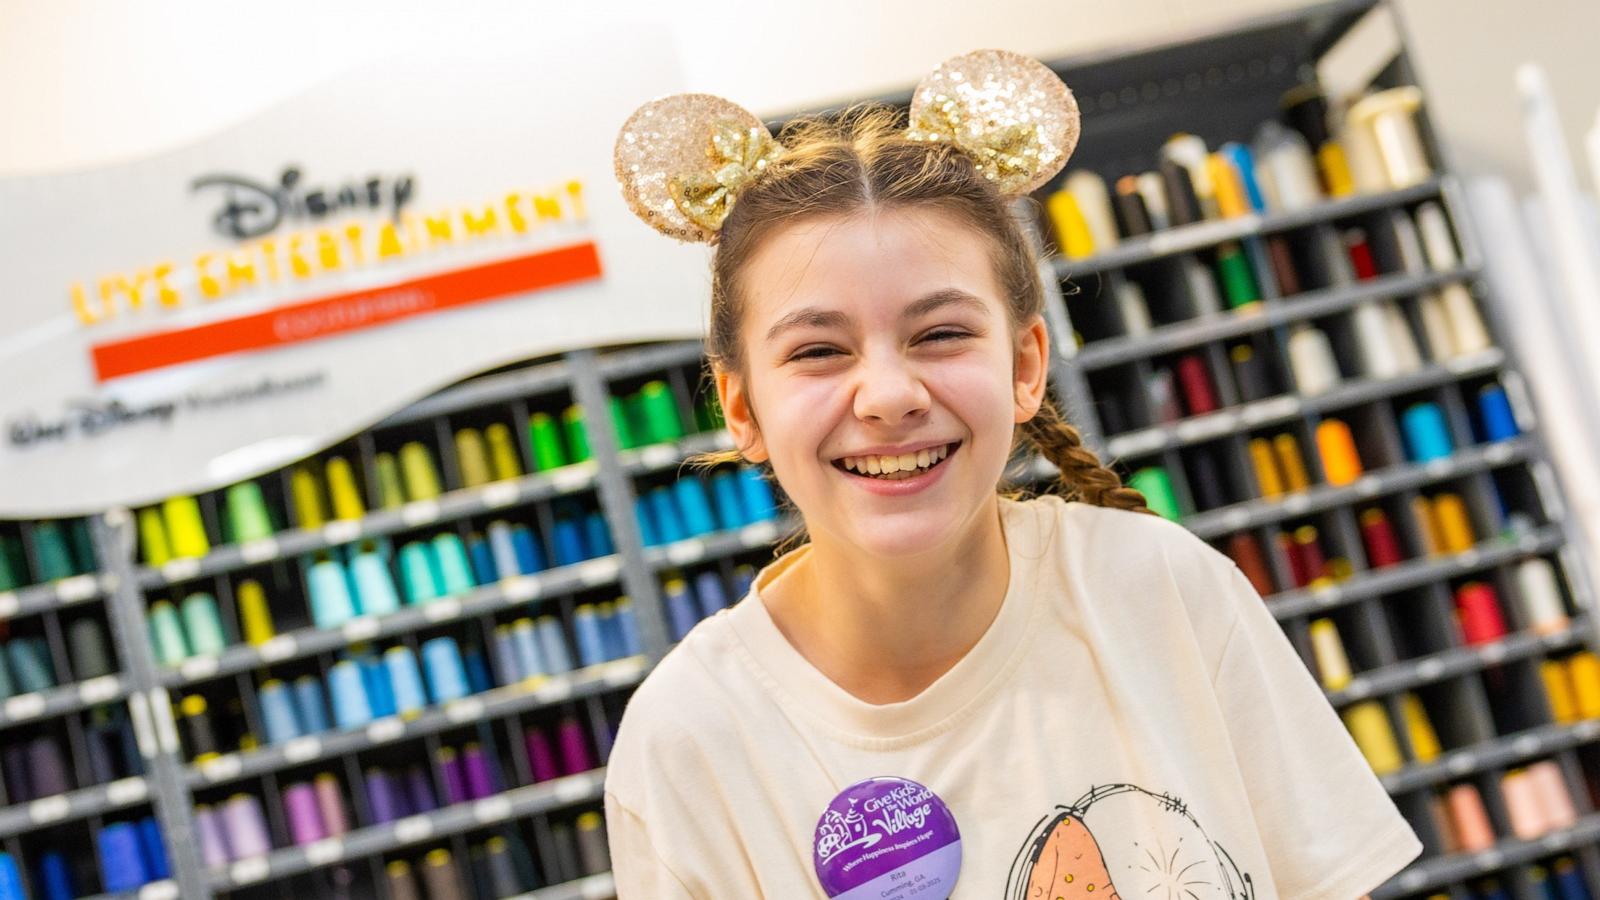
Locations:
{"points": [[896, 467], [922, 459], [872, 465]]}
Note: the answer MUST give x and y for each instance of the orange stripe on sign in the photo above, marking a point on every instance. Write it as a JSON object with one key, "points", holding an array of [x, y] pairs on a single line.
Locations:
{"points": [[310, 320]]}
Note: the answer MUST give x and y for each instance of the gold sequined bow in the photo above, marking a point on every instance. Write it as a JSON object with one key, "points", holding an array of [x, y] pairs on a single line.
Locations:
{"points": [[737, 155], [1009, 155]]}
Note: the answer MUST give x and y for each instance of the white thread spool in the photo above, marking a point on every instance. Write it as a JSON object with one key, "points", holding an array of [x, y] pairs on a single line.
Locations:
{"points": [[1553, 795], [1361, 155], [1436, 327], [1328, 650], [1202, 287], [1436, 239], [1378, 357], [1467, 334], [1412, 259], [1311, 359], [1391, 116], [1407, 357], [1293, 171], [1155, 199], [1189, 151], [1089, 189], [1134, 308], [1541, 596]]}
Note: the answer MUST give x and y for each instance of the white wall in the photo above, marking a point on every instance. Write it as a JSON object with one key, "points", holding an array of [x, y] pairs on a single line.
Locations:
{"points": [[87, 81]]}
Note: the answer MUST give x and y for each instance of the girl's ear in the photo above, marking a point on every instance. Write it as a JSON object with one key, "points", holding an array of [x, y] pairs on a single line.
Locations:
{"points": [[735, 400], [1032, 368]]}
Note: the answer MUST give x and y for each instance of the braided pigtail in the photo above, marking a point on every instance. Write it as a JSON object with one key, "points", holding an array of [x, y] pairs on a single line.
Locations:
{"points": [[1083, 476]]}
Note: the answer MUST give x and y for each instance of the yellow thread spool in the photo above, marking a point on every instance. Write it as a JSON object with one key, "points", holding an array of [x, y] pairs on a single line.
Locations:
{"points": [[1369, 725], [502, 452], [1225, 184], [1558, 689], [153, 537], [1455, 527], [1583, 668], [1072, 230], [1335, 168], [473, 458], [1422, 508], [1290, 462], [1266, 466], [343, 491], [186, 532], [416, 467], [255, 619], [1328, 650], [1424, 742], [308, 510], [390, 493]]}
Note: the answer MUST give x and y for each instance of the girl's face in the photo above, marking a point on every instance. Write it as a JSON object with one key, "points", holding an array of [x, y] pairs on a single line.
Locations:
{"points": [[879, 335]]}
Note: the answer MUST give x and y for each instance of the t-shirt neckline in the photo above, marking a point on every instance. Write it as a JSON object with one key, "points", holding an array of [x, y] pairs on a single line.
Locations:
{"points": [[815, 696]]}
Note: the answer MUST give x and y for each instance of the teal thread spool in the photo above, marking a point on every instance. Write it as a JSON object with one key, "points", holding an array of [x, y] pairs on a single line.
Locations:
{"points": [[418, 573], [11, 570], [30, 664], [83, 556], [166, 633], [374, 588], [50, 549], [331, 603], [455, 568], [247, 512], [203, 624], [1156, 486]]}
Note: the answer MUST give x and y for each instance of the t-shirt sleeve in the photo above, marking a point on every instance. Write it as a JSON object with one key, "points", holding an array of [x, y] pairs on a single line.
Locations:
{"points": [[637, 869], [1330, 830]]}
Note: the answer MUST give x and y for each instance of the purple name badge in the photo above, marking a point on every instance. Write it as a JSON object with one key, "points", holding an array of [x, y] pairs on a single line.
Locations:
{"points": [[888, 839]]}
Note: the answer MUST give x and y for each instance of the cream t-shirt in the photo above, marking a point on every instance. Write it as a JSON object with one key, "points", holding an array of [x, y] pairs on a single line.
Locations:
{"points": [[1133, 722]]}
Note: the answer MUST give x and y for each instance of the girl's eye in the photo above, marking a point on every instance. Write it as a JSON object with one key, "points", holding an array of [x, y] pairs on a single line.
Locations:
{"points": [[945, 334], [812, 353]]}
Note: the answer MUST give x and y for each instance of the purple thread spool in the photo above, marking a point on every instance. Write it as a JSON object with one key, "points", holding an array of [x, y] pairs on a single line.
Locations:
{"points": [[246, 826], [541, 759], [305, 819], [213, 839], [455, 781], [330, 802], [47, 768], [386, 802], [574, 749], [475, 766], [419, 787]]}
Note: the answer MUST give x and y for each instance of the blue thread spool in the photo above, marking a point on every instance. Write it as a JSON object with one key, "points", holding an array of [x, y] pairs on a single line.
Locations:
{"points": [[611, 641], [418, 574], [153, 849], [730, 502], [10, 879], [1426, 435], [1499, 422], [331, 603], [757, 495], [506, 670], [708, 587], [597, 535], [351, 706], [309, 702], [682, 611], [743, 576], [695, 506], [628, 626], [380, 694], [669, 521], [1245, 164], [591, 644], [647, 522], [374, 586], [553, 645], [30, 665], [405, 680], [484, 570], [454, 570], [447, 675], [120, 859], [55, 877], [569, 542], [503, 550], [278, 715], [1569, 882], [530, 658], [530, 556], [477, 667]]}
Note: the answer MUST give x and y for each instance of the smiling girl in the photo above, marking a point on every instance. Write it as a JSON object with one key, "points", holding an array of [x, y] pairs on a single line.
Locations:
{"points": [[950, 689]]}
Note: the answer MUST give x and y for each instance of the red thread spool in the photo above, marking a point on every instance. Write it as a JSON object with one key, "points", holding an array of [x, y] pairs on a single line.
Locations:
{"points": [[1246, 554], [1195, 379], [1355, 241], [1478, 611], [1383, 547]]}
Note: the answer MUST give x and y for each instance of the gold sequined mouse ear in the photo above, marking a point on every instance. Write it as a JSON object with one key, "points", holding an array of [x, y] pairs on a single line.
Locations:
{"points": [[1009, 112], [682, 160]]}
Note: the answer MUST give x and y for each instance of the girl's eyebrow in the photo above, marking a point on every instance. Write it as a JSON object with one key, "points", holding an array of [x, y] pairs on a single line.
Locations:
{"points": [[812, 317]]}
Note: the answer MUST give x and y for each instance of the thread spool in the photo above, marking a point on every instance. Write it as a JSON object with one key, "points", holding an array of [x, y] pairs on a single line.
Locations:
{"points": [[503, 548], [211, 837], [55, 879], [694, 505], [121, 863], [374, 587], [1426, 435], [330, 804], [574, 747], [186, 532], [1569, 880], [726, 496], [529, 655], [352, 708], [1183, 203], [1132, 307], [1132, 214], [1551, 791], [541, 756], [1467, 332], [506, 670], [447, 677], [1379, 539], [504, 881], [391, 488], [1285, 169], [503, 462], [646, 519], [405, 680], [305, 818], [1377, 351], [1312, 361], [280, 719], [530, 558], [417, 472], [1243, 164], [708, 588], [203, 625], [397, 876], [1523, 806], [1367, 172], [1369, 725], [153, 544], [380, 695], [682, 611], [309, 510], [1234, 272], [1249, 373], [484, 570], [568, 535], [592, 851], [30, 665], [455, 570], [1189, 151], [1290, 462], [1204, 299], [660, 408], [1094, 202], [247, 512], [166, 633], [1407, 357], [472, 458], [1494, 408], [198, 734], [1437, 242], [1156, 486], [1341, 462], [418, 574], [384, 799], [1246, 553], [1454, 526], [756, 494], [418, 787], [255, 617], [47, 768], [544, 439], [1541, 596], [628, 627], [331, 603], [591, 644], [1269, 480], [246, 826], [597, 534], [1229, 192], [451, 776], [439, 876], [1328, 650], [90, 656], [574, 427], [311, 705], [342, 490], [1073, 237], [1390, 117], [1478, 612], [1558, 690], [1424, 741], [1469, 819], [476, 772], [553, 645]]}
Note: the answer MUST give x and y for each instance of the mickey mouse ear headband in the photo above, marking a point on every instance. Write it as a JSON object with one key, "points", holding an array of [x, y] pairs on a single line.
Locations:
{"points": [[682, 160]]}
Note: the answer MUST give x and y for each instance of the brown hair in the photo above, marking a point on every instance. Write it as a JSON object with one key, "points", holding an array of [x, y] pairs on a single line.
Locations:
{"points": [[860, 160]]}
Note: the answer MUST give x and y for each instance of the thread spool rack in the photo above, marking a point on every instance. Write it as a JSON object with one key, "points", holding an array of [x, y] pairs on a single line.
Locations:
{"points": [[538, 745]]}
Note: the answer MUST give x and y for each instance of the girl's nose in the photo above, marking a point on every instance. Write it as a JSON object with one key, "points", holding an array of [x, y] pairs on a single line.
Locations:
{"points": [[888, 391]]}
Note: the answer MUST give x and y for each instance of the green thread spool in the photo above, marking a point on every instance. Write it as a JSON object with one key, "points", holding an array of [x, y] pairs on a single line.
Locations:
{"points": [[50, 548], [247, 512], [1238, 282], [255, 617], [83, 556], [1156, 486], [10, 572], [203, 624], [708, 413], [166, 634], [342, 489], [390, 494], [502, 452], [545, 440], [577, 436], [659, 410], [473, 458], [416, 467], [185, 530], [153, 541], [638, 426], [308, 510], [619, 419]]}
